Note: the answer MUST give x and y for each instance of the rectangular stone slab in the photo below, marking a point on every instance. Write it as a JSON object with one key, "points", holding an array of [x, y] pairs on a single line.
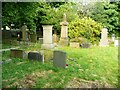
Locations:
{"points": [[86, 45], [59, 59], [17, 53], [35, 56]]}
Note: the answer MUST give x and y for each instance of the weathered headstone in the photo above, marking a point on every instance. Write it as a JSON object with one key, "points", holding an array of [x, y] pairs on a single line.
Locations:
{"points": [[36, 56], [47, 37], [86, 45], [24, 33], [17, 53], [74, 44], [64, 32], [59, 59], [104, 37]]}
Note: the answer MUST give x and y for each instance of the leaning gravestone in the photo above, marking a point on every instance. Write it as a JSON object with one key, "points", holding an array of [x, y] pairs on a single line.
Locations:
{"points": [[17, 53], [36, 56], [59, 59], [104, 38]]}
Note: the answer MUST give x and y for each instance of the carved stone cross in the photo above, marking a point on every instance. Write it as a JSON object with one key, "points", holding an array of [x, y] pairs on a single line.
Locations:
{"points": [[64, 17]]}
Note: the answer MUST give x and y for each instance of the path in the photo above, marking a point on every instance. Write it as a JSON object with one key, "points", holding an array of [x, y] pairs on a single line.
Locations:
{"points": [[8, 49]]}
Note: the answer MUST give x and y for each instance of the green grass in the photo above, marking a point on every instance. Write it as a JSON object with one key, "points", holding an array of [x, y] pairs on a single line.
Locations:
{"points": [[93, 64]]}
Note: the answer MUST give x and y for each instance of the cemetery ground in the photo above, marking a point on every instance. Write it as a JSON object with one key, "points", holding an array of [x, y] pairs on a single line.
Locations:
{"points": [[87, 67]]}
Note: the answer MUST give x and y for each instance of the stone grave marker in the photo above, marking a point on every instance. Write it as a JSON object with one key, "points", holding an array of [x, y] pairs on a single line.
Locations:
{"points": [[17, 53], [47, 37], [59, 59], [64, 31], [113, 37], [104, 37], [86, 45], [24, 33], [36, 56], [116, 43], [74, 44], [41, 40]]}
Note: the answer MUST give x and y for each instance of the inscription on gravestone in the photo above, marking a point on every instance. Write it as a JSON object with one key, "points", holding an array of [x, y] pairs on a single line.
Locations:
{"points": [[59, 59]]}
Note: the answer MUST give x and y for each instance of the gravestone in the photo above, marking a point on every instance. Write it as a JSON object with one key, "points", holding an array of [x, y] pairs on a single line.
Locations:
{"points": [[17, 53], [113, 37], [116, 43], [64, 32], [36, 56], [104, 37], [24, 33], [86, 45], [41, 40], [59, 59], [47, 37], [55, 38], [33, 37], [74, 44]]}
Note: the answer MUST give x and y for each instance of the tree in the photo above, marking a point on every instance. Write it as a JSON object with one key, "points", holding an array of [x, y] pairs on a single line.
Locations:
{"points": [[107, 13], [85, 27], [18, 13]]}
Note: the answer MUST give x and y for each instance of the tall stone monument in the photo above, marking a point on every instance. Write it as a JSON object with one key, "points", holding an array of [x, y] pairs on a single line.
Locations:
{"points": [[104, 37], [64, 31], [24, 33], [47, 37]]}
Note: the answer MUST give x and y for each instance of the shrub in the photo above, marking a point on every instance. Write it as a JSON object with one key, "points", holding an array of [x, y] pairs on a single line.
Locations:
{"points": [[86, 28]]}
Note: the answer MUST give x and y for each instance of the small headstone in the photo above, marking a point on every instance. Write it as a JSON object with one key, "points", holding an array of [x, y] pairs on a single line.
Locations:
{"points": [[116, 43], [41, 40], [55, 38], [17, 53], [59, 59], [113, 37], [74, 44], [86, 45], [36, 56]]}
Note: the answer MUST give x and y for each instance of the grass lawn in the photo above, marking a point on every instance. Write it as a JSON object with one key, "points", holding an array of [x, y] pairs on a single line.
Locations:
{"points": [[93, 67]]}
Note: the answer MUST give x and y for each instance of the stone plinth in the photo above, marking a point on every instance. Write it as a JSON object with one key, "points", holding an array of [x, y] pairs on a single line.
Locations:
{"points": [[104, 39], [47, 37]]}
